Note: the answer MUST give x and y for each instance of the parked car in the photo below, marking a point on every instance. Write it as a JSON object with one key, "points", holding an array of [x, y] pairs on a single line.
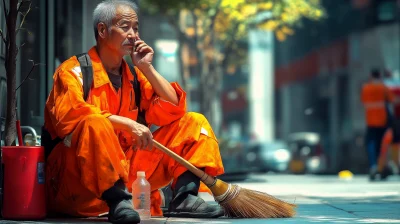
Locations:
{"points": [[233, 154], [268, 156], [307, 152]]}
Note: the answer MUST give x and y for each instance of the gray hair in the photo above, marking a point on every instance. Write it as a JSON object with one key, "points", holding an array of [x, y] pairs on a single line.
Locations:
{"points": [[105, 12]]}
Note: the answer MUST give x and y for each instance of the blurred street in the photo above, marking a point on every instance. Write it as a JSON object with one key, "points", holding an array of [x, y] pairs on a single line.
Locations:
{"points": [[293, 92], [320, 199]]}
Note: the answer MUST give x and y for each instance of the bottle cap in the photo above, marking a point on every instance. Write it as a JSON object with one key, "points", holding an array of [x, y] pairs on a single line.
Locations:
{"points": [[141, 174]]}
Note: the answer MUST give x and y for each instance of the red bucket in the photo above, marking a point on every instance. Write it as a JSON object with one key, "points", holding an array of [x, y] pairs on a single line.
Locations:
{"points": [[24, 183]]}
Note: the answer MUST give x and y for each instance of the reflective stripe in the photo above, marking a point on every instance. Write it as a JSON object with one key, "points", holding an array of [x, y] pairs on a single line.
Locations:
{"points": [[77, 71], [374, 105], [204, 131]]}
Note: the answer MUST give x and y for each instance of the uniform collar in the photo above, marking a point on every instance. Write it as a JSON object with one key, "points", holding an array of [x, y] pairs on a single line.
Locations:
{"points": [[100, 76]]}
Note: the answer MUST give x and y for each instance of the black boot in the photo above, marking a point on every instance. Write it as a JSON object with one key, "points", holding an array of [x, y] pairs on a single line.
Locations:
{"points": [[186, 203], [119, 200], [386, 172]]}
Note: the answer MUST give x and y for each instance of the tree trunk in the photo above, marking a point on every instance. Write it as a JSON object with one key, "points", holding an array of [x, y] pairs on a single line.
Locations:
{"points": [[10, 65], [184, 69], [210, 92], [207, 91], [218, 74]]}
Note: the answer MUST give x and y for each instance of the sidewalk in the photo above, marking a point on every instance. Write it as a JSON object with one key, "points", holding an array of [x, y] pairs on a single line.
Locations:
{"points": [[319, 199]]}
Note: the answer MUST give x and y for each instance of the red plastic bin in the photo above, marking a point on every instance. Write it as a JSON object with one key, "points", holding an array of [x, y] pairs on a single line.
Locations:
{"points": [[24, 182]]}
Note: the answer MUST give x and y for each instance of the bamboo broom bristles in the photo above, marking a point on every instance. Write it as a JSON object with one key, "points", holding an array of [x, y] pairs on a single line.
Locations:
{"points": [[236, 201]]}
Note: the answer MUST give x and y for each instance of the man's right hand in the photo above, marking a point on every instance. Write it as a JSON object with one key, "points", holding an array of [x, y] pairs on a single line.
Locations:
{"points": [[142, 136]]}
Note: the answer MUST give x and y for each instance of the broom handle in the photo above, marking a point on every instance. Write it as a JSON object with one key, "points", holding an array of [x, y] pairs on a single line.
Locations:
{"points": [[196, 171]]}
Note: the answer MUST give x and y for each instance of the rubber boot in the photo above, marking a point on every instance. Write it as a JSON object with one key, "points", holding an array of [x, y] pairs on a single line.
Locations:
{"points": [[186, 203], [119, 200]]}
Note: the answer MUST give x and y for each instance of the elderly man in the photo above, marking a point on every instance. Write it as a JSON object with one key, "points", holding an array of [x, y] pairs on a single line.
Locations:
{"points": [[103, 144]]}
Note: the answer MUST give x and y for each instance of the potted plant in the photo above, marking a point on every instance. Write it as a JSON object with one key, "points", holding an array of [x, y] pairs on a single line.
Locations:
{"points": [[23, 166]]}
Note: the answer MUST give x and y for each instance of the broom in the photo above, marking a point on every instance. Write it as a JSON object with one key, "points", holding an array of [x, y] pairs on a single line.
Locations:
{"points": [[236, 201]]}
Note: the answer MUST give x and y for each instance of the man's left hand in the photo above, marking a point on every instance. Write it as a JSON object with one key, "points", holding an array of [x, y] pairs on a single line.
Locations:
{"points": [[142, 56]]}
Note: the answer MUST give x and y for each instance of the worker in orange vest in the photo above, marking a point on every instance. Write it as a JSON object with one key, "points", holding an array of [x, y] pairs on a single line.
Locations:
{"points": [[103, 144], [376, 98]]}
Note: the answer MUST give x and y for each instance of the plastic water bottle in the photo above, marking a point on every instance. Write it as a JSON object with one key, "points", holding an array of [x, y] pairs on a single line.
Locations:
{"points": [[141, 196]]}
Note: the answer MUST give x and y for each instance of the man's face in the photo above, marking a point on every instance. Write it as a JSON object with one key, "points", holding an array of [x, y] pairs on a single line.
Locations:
{"points": [[124, 31]]}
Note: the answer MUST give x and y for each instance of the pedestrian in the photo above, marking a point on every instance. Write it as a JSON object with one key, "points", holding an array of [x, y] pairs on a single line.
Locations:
{"points": [[391, 147], [376, 98], [103, 146]]}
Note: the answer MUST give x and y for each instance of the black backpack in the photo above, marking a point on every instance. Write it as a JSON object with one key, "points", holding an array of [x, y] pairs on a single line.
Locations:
{"points": [[87, 73]]}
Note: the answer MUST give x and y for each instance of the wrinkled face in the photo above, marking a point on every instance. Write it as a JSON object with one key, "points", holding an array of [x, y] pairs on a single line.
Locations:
{"points": [[123, 33]]}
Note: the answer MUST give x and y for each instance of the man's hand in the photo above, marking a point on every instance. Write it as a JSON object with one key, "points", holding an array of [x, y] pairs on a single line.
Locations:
{"points": [[142, 55], [142, 136]]}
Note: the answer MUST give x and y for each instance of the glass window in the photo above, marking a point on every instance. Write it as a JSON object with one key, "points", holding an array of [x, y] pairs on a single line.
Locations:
{"points": [[68, 29], [2, 27], [32, 93]]}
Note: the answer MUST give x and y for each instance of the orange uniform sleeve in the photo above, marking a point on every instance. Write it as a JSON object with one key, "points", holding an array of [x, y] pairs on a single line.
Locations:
{"points": [[65, 105], [158, 111]]}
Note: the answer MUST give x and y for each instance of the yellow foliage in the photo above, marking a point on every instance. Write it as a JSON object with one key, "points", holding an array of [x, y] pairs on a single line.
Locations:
{"points": [[198, 12], [234, 17], [287, 30], [280, 35], [190, 31], [265, 6], [269, 25], [226, 10], [285, 16], [232, 3], [248, 10], [318, 13], [241, 29]]}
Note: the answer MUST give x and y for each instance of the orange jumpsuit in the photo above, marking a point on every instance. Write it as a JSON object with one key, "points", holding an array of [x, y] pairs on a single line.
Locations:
{"points": [[78, 171]]}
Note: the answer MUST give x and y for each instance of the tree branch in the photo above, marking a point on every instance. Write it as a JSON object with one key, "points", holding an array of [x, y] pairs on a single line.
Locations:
{"points": [[18, 29], [196, 29], [2, 36], [228, 46], [21, 46], [23, 14], [19, 5], [5, 15], [30, 72], [5, 9], [213, 17], [196, 35]]}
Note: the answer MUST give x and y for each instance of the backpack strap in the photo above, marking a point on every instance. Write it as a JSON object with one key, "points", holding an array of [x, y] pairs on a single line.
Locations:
{"points": [[136, 87], [87, 73]]}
